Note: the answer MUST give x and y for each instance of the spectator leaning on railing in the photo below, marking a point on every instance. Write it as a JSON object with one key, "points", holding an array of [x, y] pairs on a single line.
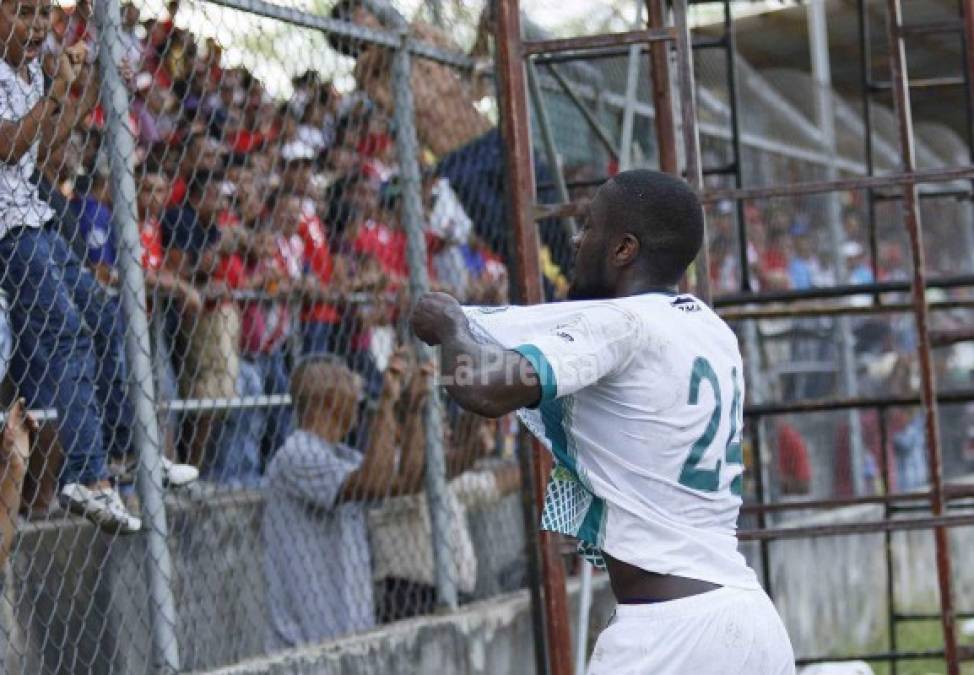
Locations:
{"points": [[54, 300], [317, 561], [202, 253]]}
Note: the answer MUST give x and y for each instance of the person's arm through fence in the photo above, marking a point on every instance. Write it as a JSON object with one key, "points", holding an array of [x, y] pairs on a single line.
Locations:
{"points": [[374, 478], [483, 378]]}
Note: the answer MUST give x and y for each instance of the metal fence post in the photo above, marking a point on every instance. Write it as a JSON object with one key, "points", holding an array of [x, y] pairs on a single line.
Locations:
{"points": [[548, 140], [407, 148], [137, 339], [818, 41]]}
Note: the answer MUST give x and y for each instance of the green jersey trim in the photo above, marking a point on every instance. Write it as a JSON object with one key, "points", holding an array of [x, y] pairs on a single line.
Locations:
{"points": [[546, 374]]}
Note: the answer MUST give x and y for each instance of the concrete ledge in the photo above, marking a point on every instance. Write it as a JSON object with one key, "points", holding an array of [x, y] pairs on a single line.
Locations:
{"points": [[76, 600], [483, 638]]}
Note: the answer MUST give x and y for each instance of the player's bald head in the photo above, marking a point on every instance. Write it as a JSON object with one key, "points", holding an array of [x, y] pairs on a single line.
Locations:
{"points": [[644, 228], [662, 212]]}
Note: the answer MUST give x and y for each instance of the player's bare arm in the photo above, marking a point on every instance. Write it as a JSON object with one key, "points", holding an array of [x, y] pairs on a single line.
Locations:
{"points": [[482, 378]]}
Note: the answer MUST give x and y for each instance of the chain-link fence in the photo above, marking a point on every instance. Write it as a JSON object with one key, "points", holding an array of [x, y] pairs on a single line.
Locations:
{"points": [[214, 221], [213, 218]]}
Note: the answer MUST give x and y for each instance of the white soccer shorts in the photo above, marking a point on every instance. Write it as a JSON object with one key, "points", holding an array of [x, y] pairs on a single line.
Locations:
{"points": [[729, 631]]}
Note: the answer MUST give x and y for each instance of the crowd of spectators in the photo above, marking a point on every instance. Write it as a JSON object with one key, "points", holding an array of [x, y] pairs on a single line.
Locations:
{"points": [[276, 266], [790, 248], [270, 228]]}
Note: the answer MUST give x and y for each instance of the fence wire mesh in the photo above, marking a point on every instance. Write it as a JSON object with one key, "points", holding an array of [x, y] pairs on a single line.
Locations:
{"points": [[206, 272], [258, 160]]}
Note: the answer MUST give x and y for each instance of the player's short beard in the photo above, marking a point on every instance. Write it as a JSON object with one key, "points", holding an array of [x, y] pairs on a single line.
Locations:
{"points": [[596, 289]]}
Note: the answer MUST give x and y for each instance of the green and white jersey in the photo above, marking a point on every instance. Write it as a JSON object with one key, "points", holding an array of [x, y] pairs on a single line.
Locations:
{"points": [[642, 401]]}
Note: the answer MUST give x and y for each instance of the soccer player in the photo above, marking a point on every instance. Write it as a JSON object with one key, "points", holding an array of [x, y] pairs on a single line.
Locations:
{"points": [[638, 393]]}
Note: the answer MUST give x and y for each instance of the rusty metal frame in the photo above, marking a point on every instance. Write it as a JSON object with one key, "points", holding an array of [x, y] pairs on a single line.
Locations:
{"points": [[659, 39], [553, 646], [594, 42]]}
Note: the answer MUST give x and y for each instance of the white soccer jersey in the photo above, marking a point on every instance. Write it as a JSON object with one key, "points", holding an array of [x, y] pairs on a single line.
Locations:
{"points": [[642, 401]]}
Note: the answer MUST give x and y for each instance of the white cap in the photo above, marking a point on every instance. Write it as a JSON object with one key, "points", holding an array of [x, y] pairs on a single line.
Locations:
{"points": [[297, 150], [851, 249]]}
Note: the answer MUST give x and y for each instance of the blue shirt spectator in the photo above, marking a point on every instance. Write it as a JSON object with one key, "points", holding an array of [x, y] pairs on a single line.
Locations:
{"points": [[95, 225]]}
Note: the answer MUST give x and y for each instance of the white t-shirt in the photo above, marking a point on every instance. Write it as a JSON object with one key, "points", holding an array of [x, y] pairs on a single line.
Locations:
{"points": [[642, 401], [19, 202]]}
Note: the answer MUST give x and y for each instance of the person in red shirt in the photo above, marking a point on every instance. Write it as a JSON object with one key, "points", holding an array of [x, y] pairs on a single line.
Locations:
{"points": [[204, 156], [151, 202], [272, 267], [321, 273], [794, 469], [208, 256]]}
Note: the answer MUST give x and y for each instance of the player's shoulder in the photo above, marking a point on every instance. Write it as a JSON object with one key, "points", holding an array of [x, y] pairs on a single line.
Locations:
{"points": [[678, 313], [656, 305]]}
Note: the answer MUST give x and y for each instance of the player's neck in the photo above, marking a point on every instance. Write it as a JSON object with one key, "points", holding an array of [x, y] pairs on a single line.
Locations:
{"points": [[641, 286]]}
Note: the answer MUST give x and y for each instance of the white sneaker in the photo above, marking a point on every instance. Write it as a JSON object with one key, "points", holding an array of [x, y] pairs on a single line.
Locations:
{"points": [[178, 475], [102, 506]]}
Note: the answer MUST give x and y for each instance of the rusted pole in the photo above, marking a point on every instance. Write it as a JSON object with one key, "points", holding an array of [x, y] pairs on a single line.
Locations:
{"points": [[587, 42], [691, 135], [521, 195], [659, 76], [911, 214]]}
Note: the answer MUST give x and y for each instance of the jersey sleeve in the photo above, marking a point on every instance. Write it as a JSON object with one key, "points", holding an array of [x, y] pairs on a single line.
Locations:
{"points": [[580, 348]]}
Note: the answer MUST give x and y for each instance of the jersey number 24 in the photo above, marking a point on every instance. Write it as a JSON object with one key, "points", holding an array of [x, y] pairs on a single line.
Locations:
{"points": [[708, 480]]}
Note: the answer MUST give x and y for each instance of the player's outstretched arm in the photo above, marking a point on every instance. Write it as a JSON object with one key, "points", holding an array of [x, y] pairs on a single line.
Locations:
{"points": [[483, 378]]}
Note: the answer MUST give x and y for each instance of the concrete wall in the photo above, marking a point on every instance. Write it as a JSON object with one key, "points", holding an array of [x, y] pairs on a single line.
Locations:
{"points": [[484, 638], [75, 600]]}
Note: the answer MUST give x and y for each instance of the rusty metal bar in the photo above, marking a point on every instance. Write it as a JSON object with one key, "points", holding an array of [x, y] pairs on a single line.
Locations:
{"points": [[901, 98], [659, 77], [841, 185], [945, 338], [691, 135], [923, 83], [760, 493], [516, 133], [831, 404], [932, 28], [952, 492], [588, 56], [888, 550], [845, 310], [601, 41], [730, 60], [965, 654], [710, 43], [935, 523], [959, 194], [920, 616], [865, 77], [770, 297], [844, 184], [725, 170]]}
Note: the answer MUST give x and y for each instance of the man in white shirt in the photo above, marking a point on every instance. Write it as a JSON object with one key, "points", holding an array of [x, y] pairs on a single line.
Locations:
{"points": [[56, 308], [638, 393]]}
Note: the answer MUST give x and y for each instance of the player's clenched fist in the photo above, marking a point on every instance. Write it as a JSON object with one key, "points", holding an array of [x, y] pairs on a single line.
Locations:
{"points": [[436, 316]]}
